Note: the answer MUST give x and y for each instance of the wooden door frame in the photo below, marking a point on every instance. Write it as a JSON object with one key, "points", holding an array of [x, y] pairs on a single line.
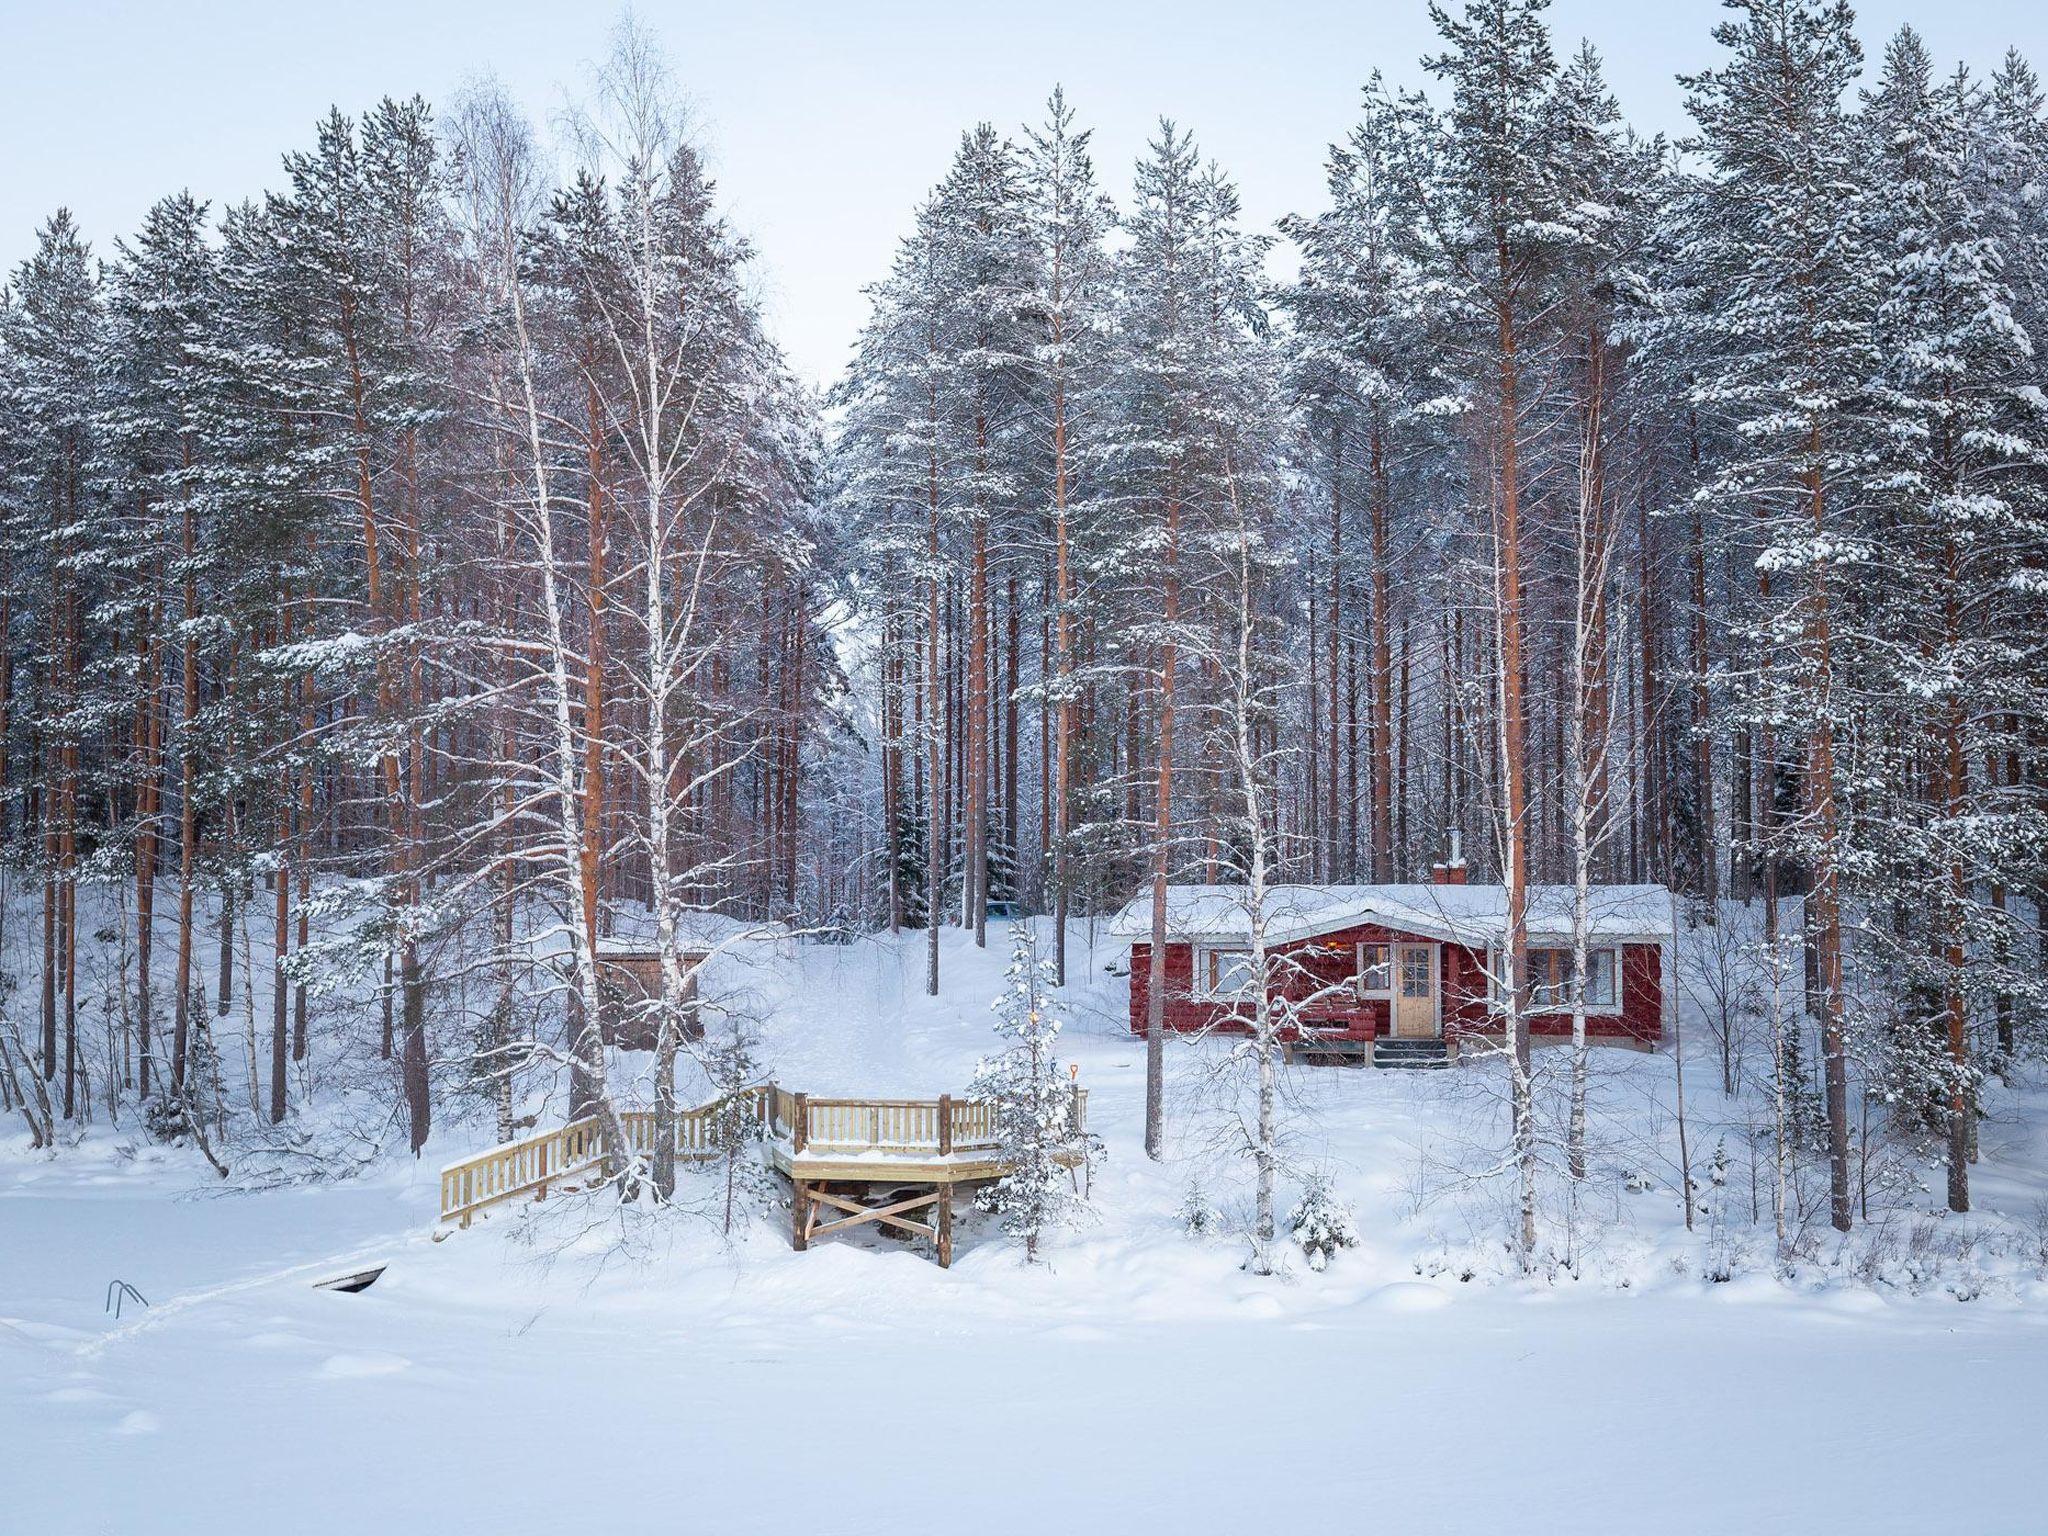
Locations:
{"points": [[1435, 1027]]}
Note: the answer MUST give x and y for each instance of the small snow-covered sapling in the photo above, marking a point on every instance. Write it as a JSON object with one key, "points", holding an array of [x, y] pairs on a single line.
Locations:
{"points": [[1322, 1223], [1198, 1216]]}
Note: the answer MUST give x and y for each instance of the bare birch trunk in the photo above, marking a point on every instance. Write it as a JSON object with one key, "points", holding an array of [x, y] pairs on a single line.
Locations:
{"points": [[1514, 772]]}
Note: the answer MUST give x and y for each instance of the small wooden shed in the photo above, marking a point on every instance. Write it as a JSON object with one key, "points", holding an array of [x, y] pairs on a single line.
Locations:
{"points": [[629, 977]]}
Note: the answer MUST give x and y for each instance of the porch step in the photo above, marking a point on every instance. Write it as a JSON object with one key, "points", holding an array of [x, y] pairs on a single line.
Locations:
{"points": [[1411, 1055], [1324, 1049]]}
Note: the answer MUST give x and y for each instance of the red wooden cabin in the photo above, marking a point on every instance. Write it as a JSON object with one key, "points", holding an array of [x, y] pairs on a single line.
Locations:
{"points": [[1365, 963]]}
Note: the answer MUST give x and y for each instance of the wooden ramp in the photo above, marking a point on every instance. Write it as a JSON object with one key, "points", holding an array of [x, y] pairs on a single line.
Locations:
{"points": [[872, 1161]]}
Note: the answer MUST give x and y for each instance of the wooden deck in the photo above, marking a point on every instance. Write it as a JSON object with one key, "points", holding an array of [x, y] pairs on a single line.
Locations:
{"points": [[816, 1143]]}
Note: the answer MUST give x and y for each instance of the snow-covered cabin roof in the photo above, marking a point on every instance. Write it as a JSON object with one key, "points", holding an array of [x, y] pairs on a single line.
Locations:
{"points": [[1457, 914]]}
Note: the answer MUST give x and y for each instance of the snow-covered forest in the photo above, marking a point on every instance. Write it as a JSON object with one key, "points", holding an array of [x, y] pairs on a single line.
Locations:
{"points": [[427, 578]]}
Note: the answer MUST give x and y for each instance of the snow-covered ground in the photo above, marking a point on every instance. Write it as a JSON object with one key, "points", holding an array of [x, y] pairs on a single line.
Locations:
{"points": [[528, 1375]]}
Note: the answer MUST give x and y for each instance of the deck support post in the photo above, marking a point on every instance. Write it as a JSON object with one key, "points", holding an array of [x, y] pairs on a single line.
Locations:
{"points": [[799, 1207], [945, 1226]]}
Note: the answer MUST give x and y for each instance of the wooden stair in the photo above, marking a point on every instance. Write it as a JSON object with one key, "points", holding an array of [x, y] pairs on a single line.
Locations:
{"points": [[1324, 1050], [1411, 1055]]}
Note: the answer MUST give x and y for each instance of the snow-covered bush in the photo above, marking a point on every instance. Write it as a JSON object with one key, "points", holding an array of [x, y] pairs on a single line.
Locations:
{"points": [[1033, 1102], [1322, 1223], [1198, 1216], [163, 1119]]}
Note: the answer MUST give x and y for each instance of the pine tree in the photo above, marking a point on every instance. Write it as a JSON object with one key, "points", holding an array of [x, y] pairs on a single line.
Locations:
{"points": [[985, 251], [1359, 378], [55, 335], [1489, 177], [895, 455], [1951, 482], [162, 403], [1790, 306], [1067, 219], [1193, 388]]}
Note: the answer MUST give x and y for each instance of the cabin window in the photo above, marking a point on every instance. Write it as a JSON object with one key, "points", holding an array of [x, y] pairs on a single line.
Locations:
{"points": [[1223, 973], [1375, 971], [1550, 979]]}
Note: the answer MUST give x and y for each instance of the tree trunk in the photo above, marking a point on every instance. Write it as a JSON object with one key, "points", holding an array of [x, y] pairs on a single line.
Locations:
{"points": [[1384, 788], [1333, 817], [1063, 669], [1162, 833], [1703, 738], [1824, 911]]}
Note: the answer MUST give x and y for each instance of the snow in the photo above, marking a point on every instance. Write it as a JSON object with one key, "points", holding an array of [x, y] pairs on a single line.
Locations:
{"points": [[701, 930], [528, 1374]]}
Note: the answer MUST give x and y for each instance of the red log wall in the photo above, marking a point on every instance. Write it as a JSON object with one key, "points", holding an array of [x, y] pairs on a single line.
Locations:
{"points": [[1327, 960]]}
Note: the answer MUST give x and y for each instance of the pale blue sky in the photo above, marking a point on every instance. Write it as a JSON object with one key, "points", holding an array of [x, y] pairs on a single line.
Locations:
{"points": [[825, 121]]}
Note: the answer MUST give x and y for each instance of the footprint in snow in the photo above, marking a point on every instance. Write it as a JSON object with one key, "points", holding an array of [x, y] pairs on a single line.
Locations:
{"points": [[75, 1395]]}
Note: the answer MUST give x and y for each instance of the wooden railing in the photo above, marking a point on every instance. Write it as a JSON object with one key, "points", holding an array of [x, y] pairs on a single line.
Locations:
{"points": [[518, 1166], [532, 1164], [922, 1126], [888, 1127]]}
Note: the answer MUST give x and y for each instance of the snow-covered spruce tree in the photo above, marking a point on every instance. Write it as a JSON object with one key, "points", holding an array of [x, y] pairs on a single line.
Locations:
{"points": [[1321, 1223], [1032, 1102], [1197, 1215]]}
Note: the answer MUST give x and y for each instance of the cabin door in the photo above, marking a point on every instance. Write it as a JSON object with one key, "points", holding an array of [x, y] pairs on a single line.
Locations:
{"points": [[1415, 992]]}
